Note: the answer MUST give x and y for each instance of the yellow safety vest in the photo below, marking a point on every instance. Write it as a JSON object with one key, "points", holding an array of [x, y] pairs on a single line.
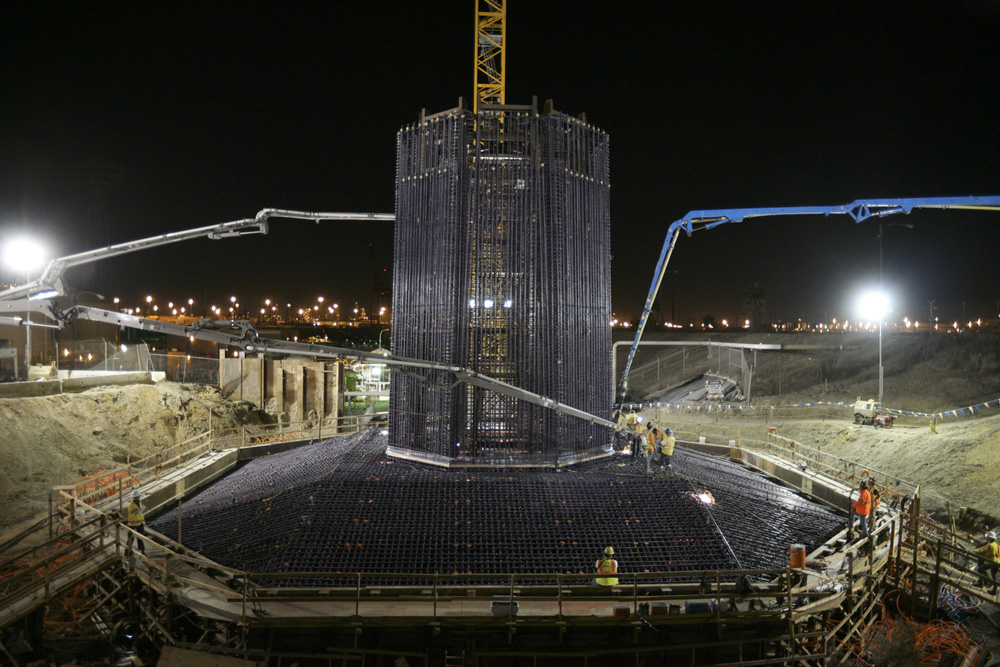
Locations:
{"points": [[876, 498], [607, 566], [135, 517], [993, 552], [667, 446]]}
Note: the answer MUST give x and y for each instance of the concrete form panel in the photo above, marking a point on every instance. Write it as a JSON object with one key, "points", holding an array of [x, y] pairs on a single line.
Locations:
{"points": [[293, 391], [314, 388]]}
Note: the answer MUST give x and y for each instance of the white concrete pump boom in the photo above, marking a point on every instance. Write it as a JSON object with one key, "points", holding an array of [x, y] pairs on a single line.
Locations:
{"points": [[35, 298], [859, 210], [249, 341], [50, 283]]}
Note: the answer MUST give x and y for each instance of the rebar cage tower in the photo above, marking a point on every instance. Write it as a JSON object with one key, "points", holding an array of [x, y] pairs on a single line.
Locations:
{"points": [[502, 265]]}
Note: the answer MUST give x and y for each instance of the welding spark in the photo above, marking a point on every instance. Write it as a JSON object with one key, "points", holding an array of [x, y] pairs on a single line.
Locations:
{"points": [[706, 497]]}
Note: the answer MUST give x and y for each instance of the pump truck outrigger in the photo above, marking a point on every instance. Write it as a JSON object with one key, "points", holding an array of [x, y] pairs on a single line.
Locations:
{"points": [[870, 413]]}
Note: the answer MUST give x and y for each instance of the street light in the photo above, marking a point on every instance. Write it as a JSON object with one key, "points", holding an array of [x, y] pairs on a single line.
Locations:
{"points": [[24, 256], [876, 304]]}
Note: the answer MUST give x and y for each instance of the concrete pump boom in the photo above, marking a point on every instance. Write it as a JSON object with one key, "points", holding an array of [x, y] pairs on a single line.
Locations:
{"points": [[249, 341], [859, 210], [34, 297], [50, 284]]}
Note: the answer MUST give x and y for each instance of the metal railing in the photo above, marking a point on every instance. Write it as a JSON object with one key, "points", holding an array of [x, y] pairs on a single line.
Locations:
{"points": [[118, 482], [766, 440], [906, 551]]}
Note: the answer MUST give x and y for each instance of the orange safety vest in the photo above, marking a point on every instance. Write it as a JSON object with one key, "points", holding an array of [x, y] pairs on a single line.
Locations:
{"points": [[607, 566], [863, 505], [650, 441]]}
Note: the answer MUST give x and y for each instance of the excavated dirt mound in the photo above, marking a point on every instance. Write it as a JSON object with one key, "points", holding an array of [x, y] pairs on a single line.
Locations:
{"points": [[957, 463], [53, 440], [50, 441]]}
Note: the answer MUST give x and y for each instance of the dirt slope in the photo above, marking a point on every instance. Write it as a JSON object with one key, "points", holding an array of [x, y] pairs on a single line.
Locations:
{"points": [[53, 440], [957, 463], [924, 374]]}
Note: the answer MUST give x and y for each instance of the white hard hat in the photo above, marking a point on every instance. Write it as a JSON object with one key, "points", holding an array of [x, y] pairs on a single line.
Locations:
{"points": [[991, 535], [609, 551]]}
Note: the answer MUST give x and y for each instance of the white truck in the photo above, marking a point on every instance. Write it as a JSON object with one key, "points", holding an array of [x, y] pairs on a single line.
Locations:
{"points": [[870, 413]]}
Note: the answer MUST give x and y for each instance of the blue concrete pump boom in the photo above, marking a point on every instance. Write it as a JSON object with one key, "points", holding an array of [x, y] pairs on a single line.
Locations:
{"points": [[859, 210]]}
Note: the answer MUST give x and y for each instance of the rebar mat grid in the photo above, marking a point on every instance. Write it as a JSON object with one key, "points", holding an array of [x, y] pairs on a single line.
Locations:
{"points": [[341, 505]]}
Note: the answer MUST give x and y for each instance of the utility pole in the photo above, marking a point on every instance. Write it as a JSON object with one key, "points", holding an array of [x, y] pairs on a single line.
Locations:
{"points": [[930, 319], [27, 337]]}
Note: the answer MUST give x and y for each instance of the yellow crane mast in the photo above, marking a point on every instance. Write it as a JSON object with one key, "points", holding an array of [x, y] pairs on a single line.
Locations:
{"points": [[491, 36]]}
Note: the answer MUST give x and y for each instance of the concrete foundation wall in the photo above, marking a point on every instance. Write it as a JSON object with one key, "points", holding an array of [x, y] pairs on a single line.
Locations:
{"points": [[50, 387], [827, 490], [289, 389]]}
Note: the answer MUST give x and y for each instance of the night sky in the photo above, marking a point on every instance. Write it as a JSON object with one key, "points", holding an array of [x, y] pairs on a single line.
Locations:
{"points": [[125, 120]]}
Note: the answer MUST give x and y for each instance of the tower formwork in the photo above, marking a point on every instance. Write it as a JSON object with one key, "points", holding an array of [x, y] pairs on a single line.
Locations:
{"points": [[502, 265]]}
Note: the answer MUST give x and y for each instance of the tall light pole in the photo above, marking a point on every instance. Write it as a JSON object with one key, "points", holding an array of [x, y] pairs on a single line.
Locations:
{"points": [[876, 304], [24, 256]]}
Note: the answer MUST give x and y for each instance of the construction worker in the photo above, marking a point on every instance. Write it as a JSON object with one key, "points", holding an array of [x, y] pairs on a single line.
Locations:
{"points": [[990, 552], [632, 422], [620, 436], [607, 565], [876, 499], [861, 508], [652, 441], [666, 449], [136, 521]]}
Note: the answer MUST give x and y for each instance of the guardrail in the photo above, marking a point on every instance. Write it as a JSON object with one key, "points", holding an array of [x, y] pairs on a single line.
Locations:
{"points": [[118, 482], [910, 552], [767, 440]]}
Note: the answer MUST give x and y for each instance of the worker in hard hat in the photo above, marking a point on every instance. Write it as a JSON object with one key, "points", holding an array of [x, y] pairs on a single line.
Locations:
{"points": [[621, 437], [136, 521], [652, 443], [606, 565], [632, 423], [861, 508], [990, 553], [666, 449], [639, 442]]}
